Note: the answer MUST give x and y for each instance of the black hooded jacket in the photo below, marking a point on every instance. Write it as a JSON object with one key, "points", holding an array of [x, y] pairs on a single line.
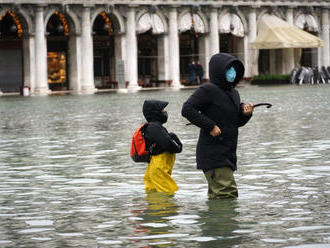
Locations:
{"points": [[217, 103], [155, 133]]}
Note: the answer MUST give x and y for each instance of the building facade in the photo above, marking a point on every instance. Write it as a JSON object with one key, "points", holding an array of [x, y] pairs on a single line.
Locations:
{"points": [[83, 46]]}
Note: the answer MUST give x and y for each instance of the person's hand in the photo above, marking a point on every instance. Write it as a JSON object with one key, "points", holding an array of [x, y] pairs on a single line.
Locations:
{"points": [[248, 109], [215, 131]]}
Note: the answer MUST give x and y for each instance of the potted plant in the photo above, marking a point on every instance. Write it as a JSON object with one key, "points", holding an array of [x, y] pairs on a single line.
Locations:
{"points": [[270, 79]]}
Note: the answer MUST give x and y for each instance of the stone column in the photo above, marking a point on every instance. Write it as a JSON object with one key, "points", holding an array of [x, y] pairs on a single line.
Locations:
{"points": [[317, 56], [288, 53], [29, 61], [214, 32], [131, 59], [87, 82], [326, 37], [163, 58], [120, 55], [214, 47], [204, 54], [174, 48], [75, 53], [246, 52], [254, 53], [41, 77]]}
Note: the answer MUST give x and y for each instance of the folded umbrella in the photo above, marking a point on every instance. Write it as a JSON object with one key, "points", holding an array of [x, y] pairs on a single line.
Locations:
{"points": [[268, 105]]}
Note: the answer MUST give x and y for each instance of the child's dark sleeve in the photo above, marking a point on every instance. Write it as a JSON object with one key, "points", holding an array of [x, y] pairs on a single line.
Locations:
{"points": [[163, 139], [177, 141]]}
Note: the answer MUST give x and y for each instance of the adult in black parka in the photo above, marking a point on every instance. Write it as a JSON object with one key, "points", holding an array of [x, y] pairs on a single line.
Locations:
{"points": [[216, 108]]}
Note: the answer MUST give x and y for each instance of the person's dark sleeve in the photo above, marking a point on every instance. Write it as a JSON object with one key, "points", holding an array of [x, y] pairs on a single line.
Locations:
{"points": [[192, 108], [176, 140], [164, 140], [243, 119]]}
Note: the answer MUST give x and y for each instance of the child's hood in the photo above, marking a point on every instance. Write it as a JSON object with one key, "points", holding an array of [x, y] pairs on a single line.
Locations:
{"points": [[152, 110]]}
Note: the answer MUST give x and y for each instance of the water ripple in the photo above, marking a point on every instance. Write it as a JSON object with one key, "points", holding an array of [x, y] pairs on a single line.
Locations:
{"points": [[66, 177]]}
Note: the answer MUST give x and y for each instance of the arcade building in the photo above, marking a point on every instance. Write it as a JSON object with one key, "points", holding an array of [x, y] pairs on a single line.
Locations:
{"points": [[84, 46]]}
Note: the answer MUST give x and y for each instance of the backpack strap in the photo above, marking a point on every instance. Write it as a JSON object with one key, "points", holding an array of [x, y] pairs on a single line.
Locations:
{"points": [[151, 146]]}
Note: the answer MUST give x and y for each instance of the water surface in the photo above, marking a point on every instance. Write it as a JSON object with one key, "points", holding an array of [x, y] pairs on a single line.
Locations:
{"points": [[66, 179]]}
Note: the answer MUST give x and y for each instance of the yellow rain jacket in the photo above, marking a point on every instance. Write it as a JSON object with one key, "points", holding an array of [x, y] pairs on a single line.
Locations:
{"points": [[158, 174]]}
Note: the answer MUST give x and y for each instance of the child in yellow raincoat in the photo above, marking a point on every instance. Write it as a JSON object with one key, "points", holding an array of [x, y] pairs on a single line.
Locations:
{"points": [[163, 146]]}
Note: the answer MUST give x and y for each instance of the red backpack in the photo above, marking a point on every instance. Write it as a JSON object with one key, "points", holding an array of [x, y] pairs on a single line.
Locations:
{"points": [[139, 151]]}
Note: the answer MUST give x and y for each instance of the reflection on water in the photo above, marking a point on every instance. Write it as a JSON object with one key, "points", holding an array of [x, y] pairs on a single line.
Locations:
{"points": [[153, 221], [219, 224], [66, 179]]}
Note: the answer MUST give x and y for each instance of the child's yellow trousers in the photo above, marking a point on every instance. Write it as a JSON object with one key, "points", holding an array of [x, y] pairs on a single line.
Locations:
{"points": [[158, 174]]}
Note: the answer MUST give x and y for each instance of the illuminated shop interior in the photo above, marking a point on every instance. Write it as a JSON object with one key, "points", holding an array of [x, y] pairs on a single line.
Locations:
{"points": [[57, 46]]}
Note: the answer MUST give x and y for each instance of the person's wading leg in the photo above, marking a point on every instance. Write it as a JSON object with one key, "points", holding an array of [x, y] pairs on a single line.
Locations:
{"points": [[221, 183], [158, 174], [148, 185]]}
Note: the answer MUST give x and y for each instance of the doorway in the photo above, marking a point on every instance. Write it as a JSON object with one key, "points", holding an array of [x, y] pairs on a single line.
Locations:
{"points": [[147, 58], [104, 28], [57, 52], [189, 54], [11, 53]]}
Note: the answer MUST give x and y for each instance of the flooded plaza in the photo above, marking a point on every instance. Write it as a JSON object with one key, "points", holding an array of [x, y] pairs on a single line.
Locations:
{"points": [[66, 178]]}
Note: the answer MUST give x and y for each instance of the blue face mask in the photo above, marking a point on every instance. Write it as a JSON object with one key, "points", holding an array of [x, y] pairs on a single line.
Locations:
{"points": [[231, 74]]}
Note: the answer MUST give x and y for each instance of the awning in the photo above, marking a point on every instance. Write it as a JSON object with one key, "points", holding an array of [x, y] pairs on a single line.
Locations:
{"points": [[194, 21], [274, 33], [150, 22], [231, 24]]}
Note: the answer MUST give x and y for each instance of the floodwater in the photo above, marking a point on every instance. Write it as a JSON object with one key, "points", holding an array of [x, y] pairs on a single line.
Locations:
{"points": [[66, 179]]}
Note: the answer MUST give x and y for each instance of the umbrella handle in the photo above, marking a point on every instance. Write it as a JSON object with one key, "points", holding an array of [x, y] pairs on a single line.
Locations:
{"points": [[268, 105]]}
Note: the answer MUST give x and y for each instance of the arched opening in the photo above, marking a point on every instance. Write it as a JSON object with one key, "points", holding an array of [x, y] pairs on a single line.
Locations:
{"points": [[191, 37], [11, 52], [104, 29], [151, 62], [189, 56], [147, 59], [307, 57], [232, 35], [57, 52], [233, 45]]}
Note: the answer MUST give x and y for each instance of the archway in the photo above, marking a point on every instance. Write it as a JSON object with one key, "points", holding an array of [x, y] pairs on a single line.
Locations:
{"points": [[151, 66], [11, 46], [307, 56], [233, 45], [189, 55], [104, 29], [57, 51], [147, 59], [191, 29], [232, 35]]}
